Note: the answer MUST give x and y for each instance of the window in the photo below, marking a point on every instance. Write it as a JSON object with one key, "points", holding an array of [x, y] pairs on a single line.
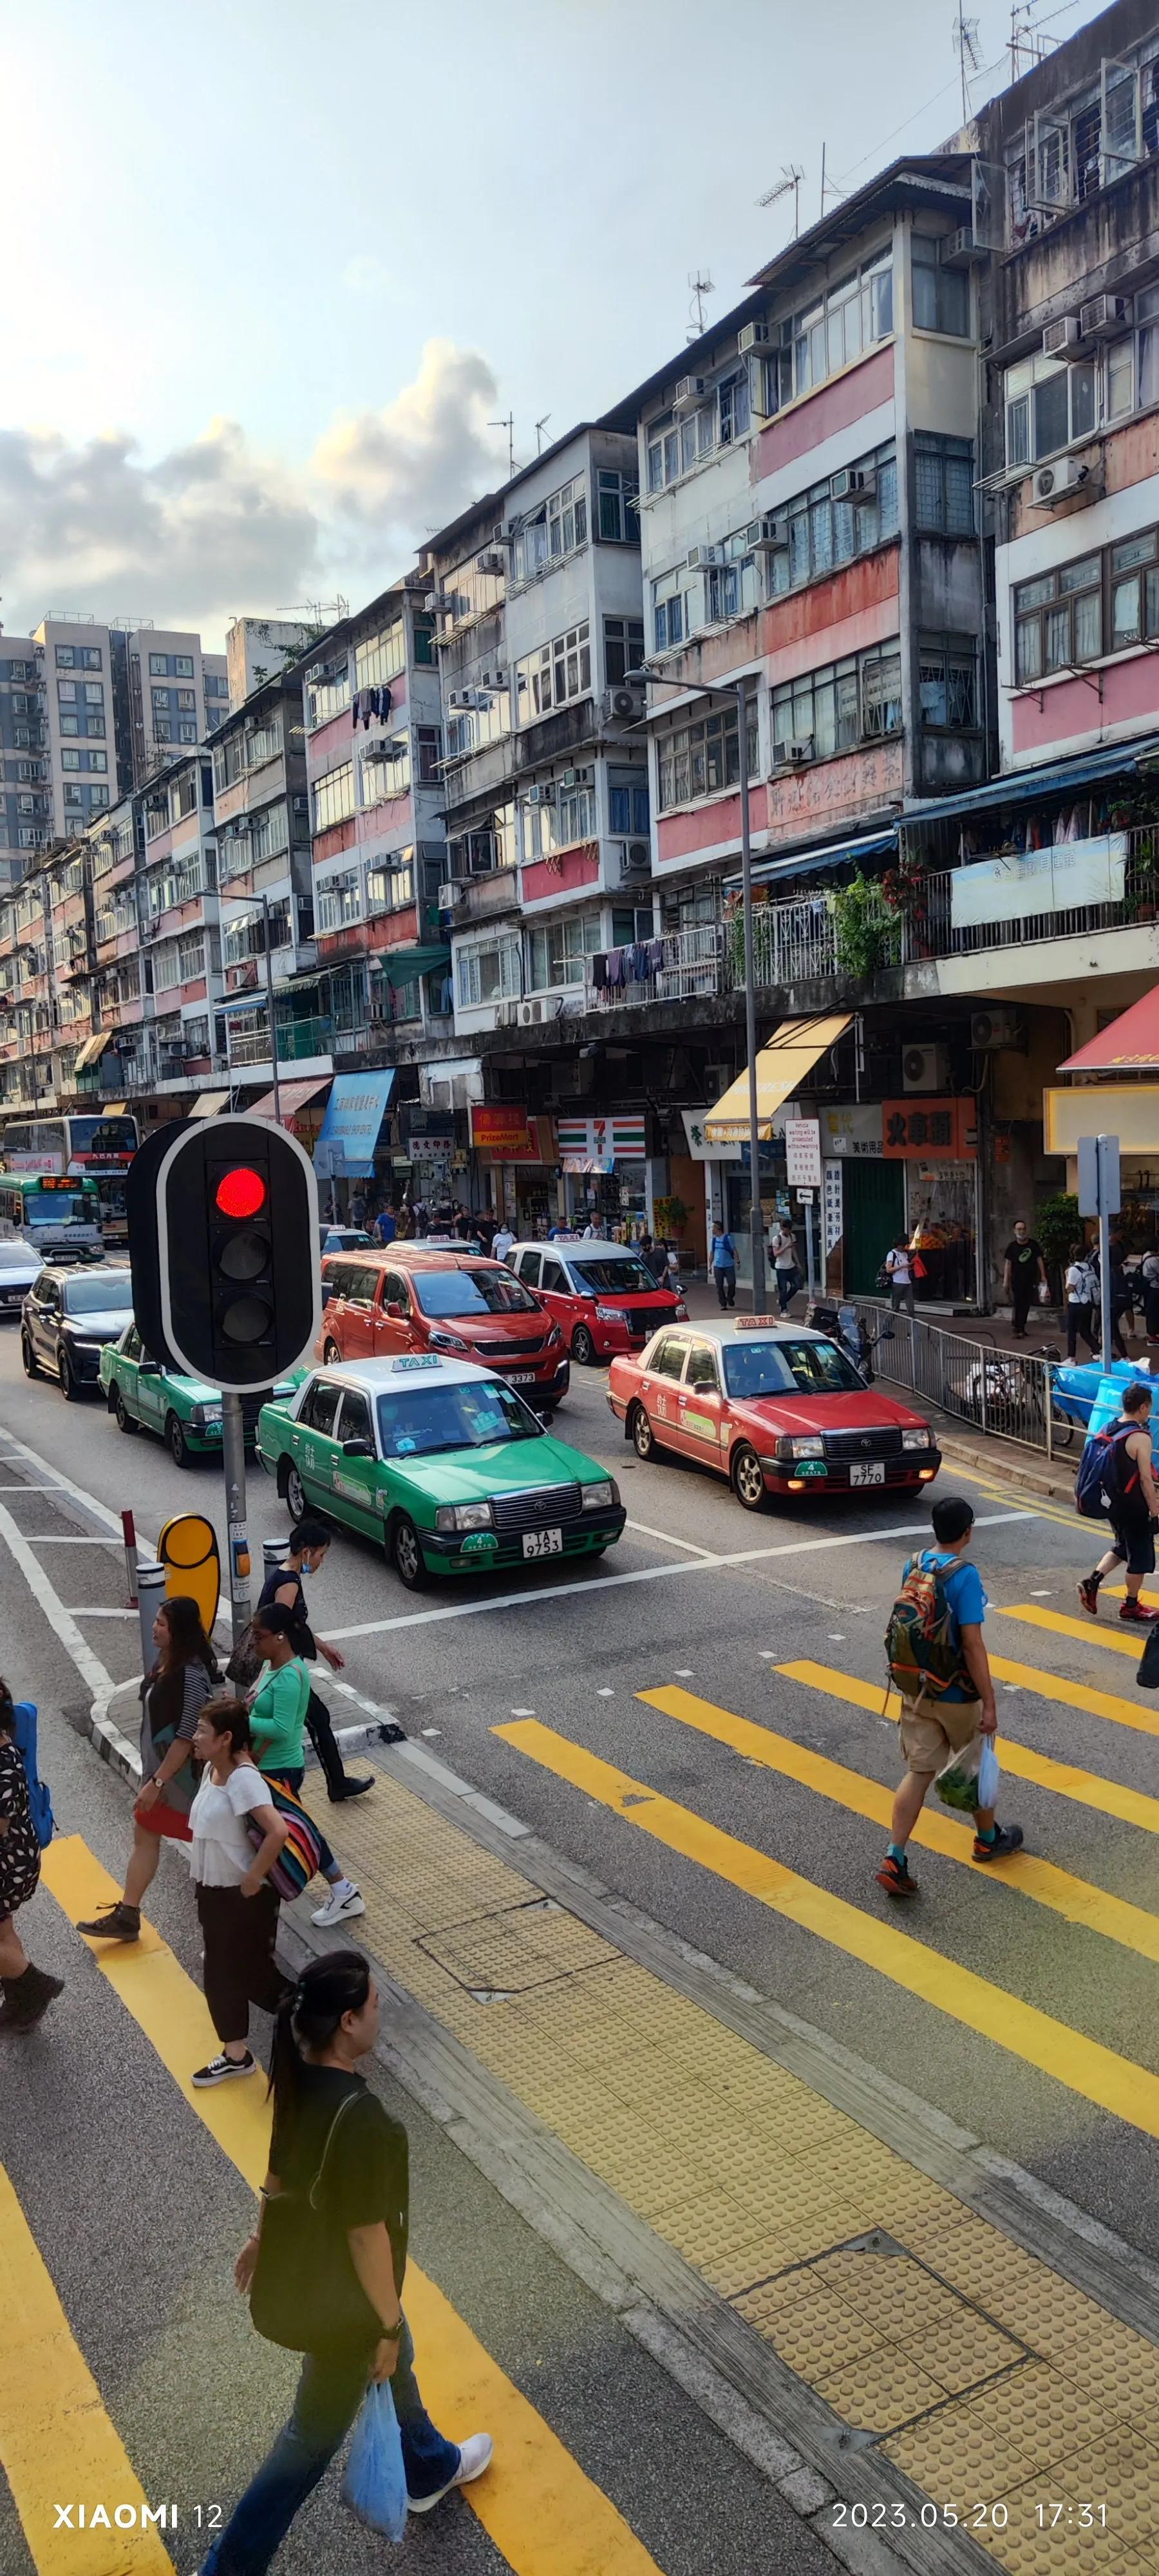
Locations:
{"points": [[668, 1361], [1102, 603], [558, 528], [948, 682], [628, 803], [571, 817], [556, 953], [825, 531], [424, 640], [734, 408], [159, 666], [95, 724], [70, 760], [843, 322], [701, 759], [162, 729], [65, 657], [384, 769], [340, 900], [390, 883], [66, 692], [327, 696], [833, 709], [941, 295], [186, 732], [69, 724], [1048, 405], [488, 974], [944, 485], [334, 796], [671, 612], [161, 701], [551, 677], [381, 657], [320, 1405], [94, 693], [98, 798], [355, 1423], [97, 760], [618, 509], [429, 743], [623, 648], [187, 698], [183, 665]]}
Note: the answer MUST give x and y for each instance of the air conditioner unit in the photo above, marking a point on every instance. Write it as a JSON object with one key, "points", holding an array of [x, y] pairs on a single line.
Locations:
{"points": [[529, 1014], [568, 778], [301, 804], [440, 603], [619, 706], [773, 538], [700, 557], [494, 679], [924, 1068], [449, 895], [1052, 483], [494, 563], [535, 796], [998, 1028], [855, 483], [753, 335], [959, 249], [1060, 335], [689, 394], [801, 750], [1103, 316], [507, 1015], [635, 860]]}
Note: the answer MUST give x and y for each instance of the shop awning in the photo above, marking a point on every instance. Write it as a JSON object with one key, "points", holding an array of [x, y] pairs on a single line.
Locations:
{"points": [[209, 1103], [782, 1068], [814, 862], [401, 965], [292, 1096], [92, 1049], [1129, 1045], [1038, 786]]}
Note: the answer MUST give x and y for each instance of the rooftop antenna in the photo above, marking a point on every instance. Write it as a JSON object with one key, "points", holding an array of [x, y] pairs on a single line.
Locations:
{"points": [[969, 55], [540, 426], [701, 286], [509, 425], [791, 177]]}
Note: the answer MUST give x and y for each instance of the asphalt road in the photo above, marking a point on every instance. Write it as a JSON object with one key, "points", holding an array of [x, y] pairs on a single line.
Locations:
{"points": [[699, 1596]]}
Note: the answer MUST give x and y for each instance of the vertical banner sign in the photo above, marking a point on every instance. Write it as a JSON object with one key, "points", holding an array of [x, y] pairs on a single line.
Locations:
{"points": [[803, 1153]]}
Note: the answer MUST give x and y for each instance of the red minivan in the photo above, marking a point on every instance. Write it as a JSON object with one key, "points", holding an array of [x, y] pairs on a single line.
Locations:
{"points": [[600, 1294], [405, 1298]]}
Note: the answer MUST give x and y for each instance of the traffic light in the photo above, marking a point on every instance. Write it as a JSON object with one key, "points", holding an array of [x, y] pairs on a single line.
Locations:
{"points": [[234, 1243]]}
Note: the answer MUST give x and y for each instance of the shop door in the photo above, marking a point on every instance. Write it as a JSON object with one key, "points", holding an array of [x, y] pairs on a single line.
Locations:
{"points": [[874, 1214]]}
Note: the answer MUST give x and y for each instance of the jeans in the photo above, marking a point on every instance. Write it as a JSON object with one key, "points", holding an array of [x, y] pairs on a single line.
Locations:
{"points": [[901, 1294], [788, 1282], [725, 1287], [329, 2394]]}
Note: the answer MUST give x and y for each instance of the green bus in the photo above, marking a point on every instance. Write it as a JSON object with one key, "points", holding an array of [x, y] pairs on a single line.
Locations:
{"points": [[50, 1212]]}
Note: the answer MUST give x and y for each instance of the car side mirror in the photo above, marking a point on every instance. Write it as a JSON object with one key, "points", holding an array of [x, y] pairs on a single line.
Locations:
{"points": [[544, 1421], [149, 1368], [357, 1449], [393, 1308]]}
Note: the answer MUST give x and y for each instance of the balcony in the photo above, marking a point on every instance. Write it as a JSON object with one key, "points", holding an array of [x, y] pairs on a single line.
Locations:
{"points": [[484, 897], [298, 1041], [684, 966]]}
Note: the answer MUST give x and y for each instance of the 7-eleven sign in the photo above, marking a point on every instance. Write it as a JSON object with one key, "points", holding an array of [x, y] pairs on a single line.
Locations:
{"points": [[616, 1139]]}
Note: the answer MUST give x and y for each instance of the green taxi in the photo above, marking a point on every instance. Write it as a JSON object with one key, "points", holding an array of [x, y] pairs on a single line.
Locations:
{"points": [[442, 1462], [184, 1414]]}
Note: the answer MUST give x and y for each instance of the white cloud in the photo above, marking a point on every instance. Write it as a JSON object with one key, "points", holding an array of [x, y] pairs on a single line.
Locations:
{"points": [[423, 456]]}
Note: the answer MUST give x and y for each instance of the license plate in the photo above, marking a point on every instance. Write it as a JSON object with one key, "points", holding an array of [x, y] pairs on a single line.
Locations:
{"points": [[522, 1377], [543, 1542], [869, 1472]]}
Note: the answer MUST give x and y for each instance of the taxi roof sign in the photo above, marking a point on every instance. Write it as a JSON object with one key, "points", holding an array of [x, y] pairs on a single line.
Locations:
{"points": [[756, 1323]]}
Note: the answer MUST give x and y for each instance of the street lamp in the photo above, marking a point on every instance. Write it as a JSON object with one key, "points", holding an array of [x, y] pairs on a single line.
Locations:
{"points": [[737, 694]]}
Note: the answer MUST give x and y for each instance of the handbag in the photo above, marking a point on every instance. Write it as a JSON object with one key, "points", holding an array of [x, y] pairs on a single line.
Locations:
{"points": [[300, 1857], [245, 1663], [301, 2297]]}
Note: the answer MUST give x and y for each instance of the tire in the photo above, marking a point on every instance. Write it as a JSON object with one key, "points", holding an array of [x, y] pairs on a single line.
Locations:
{"points": [[68, 1385], [583, 1349], [176, 1442], [31, 1364], [293, 1494], [405, 1554], [124, 1418], [644, 1441], [746, 1477], [331, 1355]]}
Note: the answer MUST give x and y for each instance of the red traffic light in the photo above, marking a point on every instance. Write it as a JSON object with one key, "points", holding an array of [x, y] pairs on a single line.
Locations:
{"points": [[241, 1192]]}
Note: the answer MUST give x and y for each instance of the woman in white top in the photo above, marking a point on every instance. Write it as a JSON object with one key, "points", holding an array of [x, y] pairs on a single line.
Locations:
{"points": [[1082, 1302], [237, 1908], [899, 1270]]}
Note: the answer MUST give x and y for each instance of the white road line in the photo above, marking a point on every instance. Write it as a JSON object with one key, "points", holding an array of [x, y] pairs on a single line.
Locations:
{"points": [[88, 1612], [96, 1511], [68, 1538], [650, 1574], [88, 1665], [666, 1539], [60, 1488]]}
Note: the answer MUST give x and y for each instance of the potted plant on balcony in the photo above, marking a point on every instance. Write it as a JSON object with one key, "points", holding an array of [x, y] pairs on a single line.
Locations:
{"points": [[866, 929], [905, 892]]}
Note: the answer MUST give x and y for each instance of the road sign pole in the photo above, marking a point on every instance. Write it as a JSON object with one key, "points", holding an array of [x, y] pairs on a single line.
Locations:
{"points": [[233, 1458], [1100, 1195]]}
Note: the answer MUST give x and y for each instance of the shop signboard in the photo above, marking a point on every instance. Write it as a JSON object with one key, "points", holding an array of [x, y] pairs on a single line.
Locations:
{"points": [[803, 1153], [852, 1128], [350, 1128], [599, 1143], [929, 1130], [1064, 877], [500, 1127]]}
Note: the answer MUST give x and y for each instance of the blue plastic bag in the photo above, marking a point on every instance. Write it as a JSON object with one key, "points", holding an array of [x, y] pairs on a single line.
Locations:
{"points": [[989, 1776], [375, 2482]]}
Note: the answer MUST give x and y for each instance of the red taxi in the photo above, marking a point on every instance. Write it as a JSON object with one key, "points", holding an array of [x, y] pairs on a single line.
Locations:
{"points": [[600, 1294], [776, 1408], [406, 1298]]}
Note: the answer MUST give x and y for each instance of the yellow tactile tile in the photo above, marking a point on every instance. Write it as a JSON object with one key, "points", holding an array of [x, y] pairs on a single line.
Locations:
{"points": [[760, 2184]]}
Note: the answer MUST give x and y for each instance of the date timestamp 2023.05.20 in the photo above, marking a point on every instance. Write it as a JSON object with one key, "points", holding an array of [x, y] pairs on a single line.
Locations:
{"points": [[1045, 2514]]}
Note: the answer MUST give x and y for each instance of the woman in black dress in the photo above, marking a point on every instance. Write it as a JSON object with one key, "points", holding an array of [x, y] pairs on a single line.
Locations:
{"points": [[27, 1990]]}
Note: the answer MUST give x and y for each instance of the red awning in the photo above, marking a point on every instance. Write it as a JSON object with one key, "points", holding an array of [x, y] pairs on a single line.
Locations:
{"points": [[292, 1095], [1129, 1045]]}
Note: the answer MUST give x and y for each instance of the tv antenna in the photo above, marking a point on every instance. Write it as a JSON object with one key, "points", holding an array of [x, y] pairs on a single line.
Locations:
{"points": [[791, 177], [969, 54], [540, 426], [509, 425], [701, 286]]}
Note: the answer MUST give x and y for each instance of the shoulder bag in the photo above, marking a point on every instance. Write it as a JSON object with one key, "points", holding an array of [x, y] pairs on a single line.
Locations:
{"points": [[303, 2296]]}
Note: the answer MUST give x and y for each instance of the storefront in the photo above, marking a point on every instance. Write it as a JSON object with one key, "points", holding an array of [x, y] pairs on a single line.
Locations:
{"points": [[894, 1167], [517, 1166], [604, 1161]]}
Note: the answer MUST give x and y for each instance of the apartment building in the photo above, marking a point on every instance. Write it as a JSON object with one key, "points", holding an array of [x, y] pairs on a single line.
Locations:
{"points": [[261, 808], [25, 791], [256, 649]]}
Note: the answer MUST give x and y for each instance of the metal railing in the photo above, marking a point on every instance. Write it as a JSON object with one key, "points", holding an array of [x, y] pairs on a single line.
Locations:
{"points": [[296, 1039], [1007, 1395], [690, 963]]}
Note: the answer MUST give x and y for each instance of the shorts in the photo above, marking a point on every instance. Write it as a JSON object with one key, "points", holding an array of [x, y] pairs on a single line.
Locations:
{"points": [[928, 1735], [1135, 1541], [160, 1819]]}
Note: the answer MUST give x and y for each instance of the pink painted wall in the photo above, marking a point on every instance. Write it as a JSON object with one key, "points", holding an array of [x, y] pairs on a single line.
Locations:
{"points": [[578, 867], [861, 389], [856, 607], [708, 827], [1070, 707], [835, 791], [392, 815]]}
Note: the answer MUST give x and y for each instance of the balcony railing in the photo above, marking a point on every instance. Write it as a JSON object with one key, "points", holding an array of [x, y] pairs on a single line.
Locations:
{"points": [[297, 1039], [677, 968]]}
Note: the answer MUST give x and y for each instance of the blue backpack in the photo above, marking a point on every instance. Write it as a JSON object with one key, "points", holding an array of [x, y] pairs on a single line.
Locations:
{"points": [[24, 1737], [1103, 1477]]}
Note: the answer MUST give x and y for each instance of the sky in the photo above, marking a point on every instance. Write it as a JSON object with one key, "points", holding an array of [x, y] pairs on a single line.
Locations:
{"points": [[275, 270]]}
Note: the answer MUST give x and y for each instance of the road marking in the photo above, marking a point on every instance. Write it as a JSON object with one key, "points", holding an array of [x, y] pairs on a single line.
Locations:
{"points": [[653, 1574], [1130, 2092], [544, 2514], [88, 1665], [86, 1610], [1060, 1626], [1087, 1788], [666, 1539], [1094, 1703], [66, 1538], [97, 1511], [56, 2441]]}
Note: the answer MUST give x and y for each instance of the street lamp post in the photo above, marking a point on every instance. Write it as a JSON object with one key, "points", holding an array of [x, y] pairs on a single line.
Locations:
{"points": [[737, 693]]}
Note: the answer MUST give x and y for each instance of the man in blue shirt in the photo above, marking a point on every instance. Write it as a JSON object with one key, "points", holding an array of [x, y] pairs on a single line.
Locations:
{"points": [[931, 1733], [384, 1225], [722, 1263]]}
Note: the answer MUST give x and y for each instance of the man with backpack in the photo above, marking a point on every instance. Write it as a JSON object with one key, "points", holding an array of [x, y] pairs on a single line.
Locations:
{"points": [[1115, 1473], [940, 1665]]}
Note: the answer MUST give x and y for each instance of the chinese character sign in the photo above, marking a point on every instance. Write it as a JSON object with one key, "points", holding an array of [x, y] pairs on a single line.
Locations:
{"points": [[929, 1129]]}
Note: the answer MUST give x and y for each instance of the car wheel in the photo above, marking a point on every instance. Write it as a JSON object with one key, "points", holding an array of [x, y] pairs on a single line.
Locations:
{"points": [[583, 1349], [68, 1385], [125, 1420], [29, 1358], [747, 1479], [332, 1355], [644, 1440], [176, 1442], [405, 1554], [295, 1495]]}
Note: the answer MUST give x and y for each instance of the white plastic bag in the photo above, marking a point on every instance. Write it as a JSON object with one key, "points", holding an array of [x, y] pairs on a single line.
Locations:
{"points": [[989, 1775], [1043, 1293], [957, 1781]]}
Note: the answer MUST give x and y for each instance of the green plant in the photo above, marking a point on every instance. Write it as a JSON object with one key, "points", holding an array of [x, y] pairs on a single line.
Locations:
{"points": [[866, 927], [671, 1215]]}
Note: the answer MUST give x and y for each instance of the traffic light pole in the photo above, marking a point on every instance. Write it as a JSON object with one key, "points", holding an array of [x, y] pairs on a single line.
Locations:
{"points": [[233, 1458]]}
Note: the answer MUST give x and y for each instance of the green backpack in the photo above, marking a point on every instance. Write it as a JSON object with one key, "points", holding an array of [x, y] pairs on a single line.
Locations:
{"points": [[922, 1647]]}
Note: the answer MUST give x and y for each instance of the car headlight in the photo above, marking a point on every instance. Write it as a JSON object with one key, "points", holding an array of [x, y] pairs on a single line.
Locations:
{"points": [[554, 1338], [463, 1516], [601, 1497], [917, 1440], [681, 1312], [206, 1417], [85, 1342], [447, 1342], [812, 1447], [610, 1314]]}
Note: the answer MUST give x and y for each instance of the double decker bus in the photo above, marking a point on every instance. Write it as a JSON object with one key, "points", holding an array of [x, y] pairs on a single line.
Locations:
{"points": [[86, 1147], [50, 1212]]}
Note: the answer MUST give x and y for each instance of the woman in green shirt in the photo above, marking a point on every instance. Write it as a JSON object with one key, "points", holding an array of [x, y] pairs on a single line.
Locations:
{"points": [[277, 1725]]}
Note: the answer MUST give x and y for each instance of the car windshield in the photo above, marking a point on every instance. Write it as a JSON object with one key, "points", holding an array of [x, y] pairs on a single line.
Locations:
{"points": [[629, 1276], [471, 1292], [424, 1421], [789, 1368], [98, 1296], [15, 1256]]}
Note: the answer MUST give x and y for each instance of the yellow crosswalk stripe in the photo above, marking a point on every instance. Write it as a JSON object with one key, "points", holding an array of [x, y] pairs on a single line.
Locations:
{"points": [[1087, 1788], [1142, 1719], [544, 2514], [1038, 1880], [1090, 1631], [57, 2445], [1083, 2065]]}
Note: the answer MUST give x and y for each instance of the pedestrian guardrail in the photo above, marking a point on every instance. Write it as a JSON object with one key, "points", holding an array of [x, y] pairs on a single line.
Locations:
{"points": [[1007, 1395]]}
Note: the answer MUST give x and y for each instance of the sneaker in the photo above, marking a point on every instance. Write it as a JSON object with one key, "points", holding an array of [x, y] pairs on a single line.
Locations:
{"points": [[1088, 1592], [475, 2455], [339, 1908], [1137, 1614], [1007, 1839], [220, 2069], [894, 1876], [118, 1923]]}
